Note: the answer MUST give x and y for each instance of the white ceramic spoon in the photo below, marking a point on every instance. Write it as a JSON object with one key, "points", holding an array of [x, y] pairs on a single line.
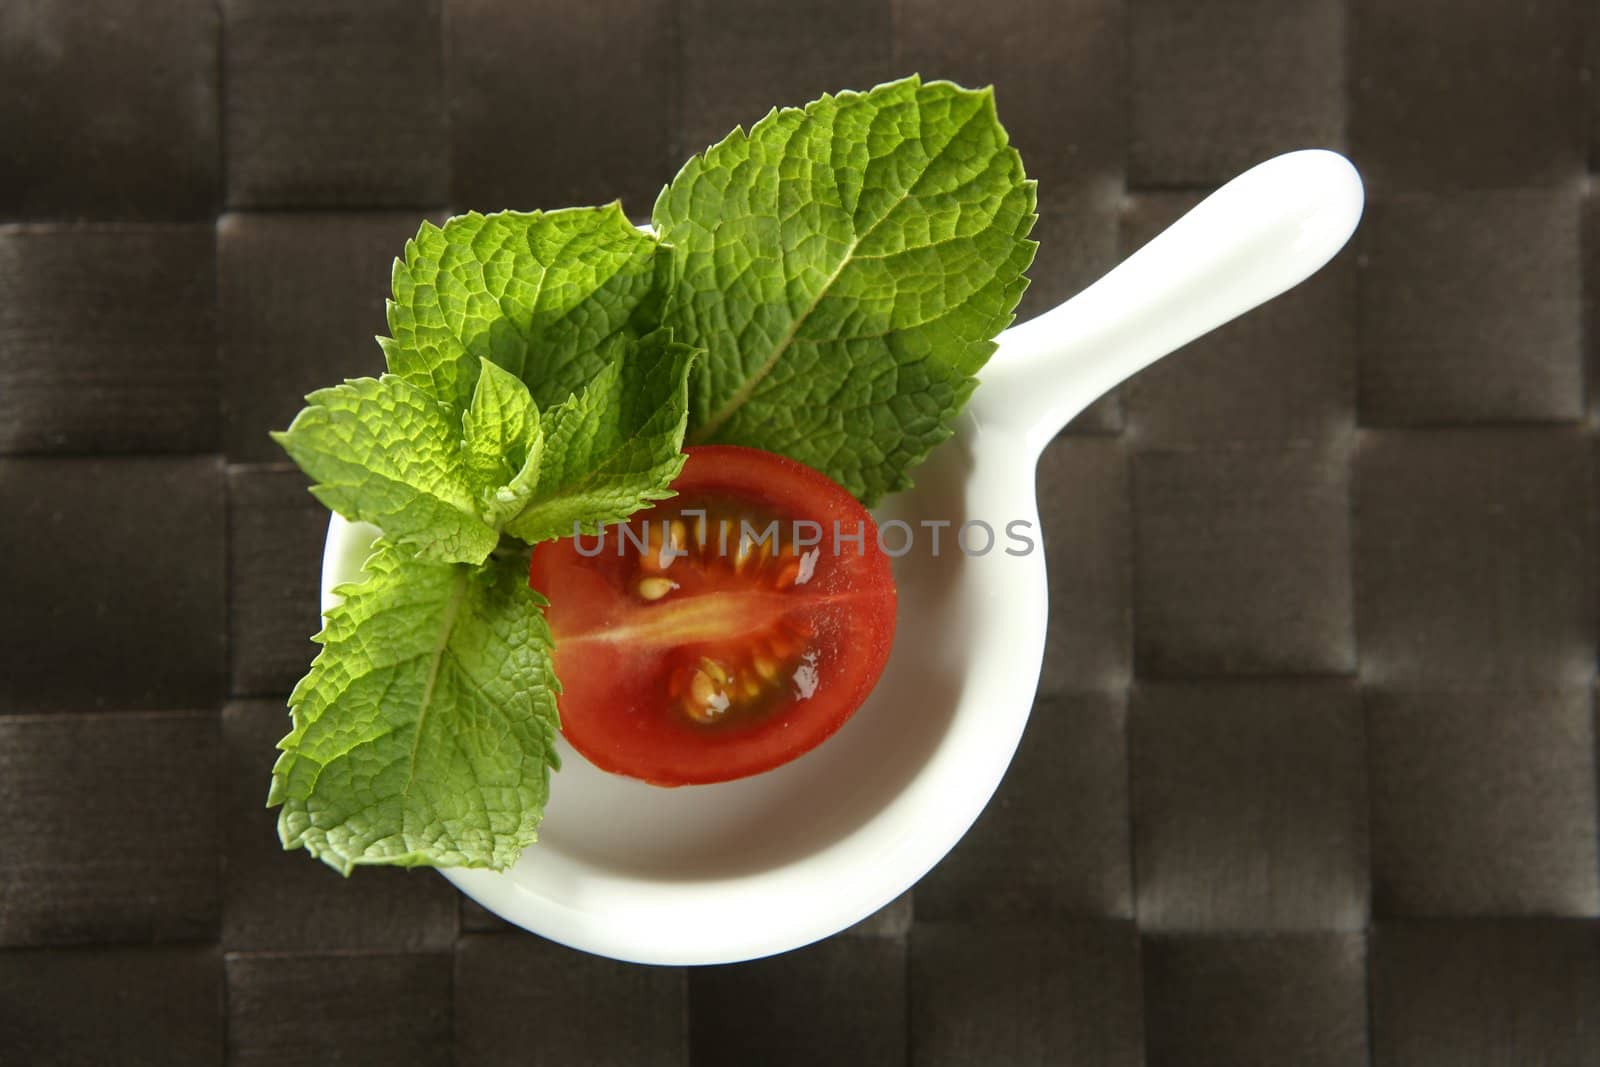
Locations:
{"points": [[714, 874]]}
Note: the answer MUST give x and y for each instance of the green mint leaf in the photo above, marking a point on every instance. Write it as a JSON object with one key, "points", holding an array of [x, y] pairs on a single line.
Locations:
{"points": [[616, 446], [846, 268], [385, 452], [541, 295], [504, 441], [424, 733]]}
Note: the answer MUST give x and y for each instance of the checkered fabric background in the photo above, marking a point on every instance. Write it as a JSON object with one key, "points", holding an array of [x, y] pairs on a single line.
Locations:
{"points": [[1311, 778]]}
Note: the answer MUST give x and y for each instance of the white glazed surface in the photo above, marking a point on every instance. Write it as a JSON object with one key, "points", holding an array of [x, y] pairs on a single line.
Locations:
{"points": [[739, 870]]}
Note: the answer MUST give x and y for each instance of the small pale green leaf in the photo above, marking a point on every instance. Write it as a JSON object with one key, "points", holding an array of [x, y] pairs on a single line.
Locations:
{"points": [[503, 441], [614, 447], [847, 267], [540, 294], [425, 732], [383, 451]]}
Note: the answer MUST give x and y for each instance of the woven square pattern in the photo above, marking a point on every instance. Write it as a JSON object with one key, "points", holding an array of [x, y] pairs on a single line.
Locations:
{"points": [[1311, 775]]}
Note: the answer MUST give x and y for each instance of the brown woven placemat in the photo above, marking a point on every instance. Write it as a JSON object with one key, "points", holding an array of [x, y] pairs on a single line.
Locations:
{"points": [[1311, 779]]}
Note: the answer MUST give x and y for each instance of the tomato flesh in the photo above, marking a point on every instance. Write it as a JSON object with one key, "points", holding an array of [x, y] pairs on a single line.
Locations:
{"points": [[710, 638]]}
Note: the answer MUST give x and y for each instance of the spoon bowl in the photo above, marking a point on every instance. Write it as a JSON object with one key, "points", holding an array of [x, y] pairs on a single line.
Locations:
{"points": [[743, 869]]}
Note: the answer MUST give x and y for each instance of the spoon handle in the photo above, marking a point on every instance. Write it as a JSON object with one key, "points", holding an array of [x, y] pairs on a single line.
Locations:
{"points": [[1262, 233]]}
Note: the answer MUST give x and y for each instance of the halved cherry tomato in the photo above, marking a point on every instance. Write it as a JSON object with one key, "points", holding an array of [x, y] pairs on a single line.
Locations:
{"points": [[706, 639]]}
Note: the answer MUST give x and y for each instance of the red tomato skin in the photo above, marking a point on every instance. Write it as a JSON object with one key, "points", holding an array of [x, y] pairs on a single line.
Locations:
{"points": [[615, 710]]}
